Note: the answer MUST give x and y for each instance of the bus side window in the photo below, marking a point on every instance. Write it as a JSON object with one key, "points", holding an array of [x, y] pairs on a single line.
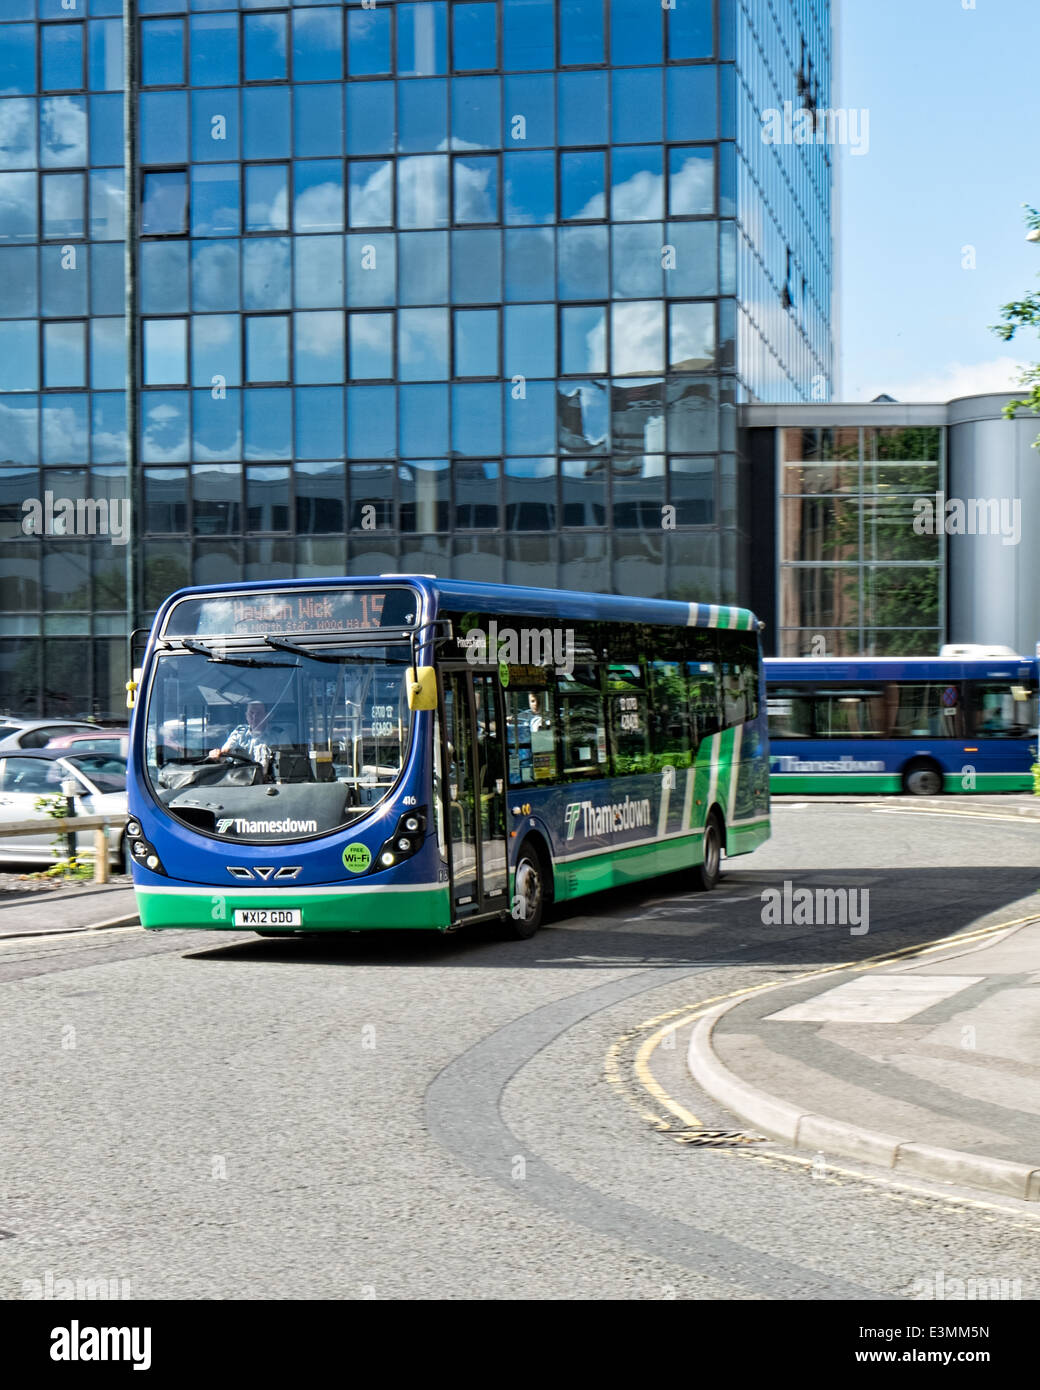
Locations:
{"points": [[629, 718], [702, 684], [1003, 711], [739, 652], [531, 723], [582, 722], [669, 714]]}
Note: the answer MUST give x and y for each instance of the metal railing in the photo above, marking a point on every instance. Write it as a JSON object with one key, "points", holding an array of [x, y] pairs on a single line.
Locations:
{"points": [[69, 825]]}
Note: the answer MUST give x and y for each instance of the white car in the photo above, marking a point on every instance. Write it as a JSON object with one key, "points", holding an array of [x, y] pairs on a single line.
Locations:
{"points": [[27, 775], [37, 733]]}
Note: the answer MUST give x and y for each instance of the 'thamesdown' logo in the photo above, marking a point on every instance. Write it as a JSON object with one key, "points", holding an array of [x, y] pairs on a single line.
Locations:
{"points": [[266, 827], [606, 820]]}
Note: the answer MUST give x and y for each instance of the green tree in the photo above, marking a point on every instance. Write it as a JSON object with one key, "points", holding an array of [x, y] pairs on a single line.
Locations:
{"points": [[1024, 313]]}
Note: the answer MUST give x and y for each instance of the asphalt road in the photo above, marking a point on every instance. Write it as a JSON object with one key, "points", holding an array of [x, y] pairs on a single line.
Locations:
{"points": [[412, 1117]]}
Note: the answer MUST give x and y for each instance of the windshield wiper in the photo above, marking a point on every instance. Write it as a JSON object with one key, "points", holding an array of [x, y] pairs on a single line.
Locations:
{"points": [[336, 658], [211, 655]]}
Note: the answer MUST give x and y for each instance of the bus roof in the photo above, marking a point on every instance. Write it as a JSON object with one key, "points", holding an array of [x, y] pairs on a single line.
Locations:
{"points": [[510, 598], [860, 668]]}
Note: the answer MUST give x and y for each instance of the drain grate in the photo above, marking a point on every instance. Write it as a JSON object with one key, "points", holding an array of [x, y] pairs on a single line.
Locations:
{"points": [[716, 1138]]}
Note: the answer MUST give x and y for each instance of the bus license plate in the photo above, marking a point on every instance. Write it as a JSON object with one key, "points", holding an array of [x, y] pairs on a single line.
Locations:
{"points": [[268, 917]]}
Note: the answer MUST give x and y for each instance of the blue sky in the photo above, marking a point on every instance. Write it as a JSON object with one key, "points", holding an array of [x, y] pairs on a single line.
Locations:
{"points": [[954, 150]]}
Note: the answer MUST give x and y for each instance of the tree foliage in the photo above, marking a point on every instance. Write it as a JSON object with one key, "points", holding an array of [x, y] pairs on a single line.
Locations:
{"points": [[1023, 313]]}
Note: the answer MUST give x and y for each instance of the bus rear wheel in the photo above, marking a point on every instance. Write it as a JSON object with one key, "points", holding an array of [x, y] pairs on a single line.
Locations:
{"points": [[922, 779], [528, 896], [707, 873]]}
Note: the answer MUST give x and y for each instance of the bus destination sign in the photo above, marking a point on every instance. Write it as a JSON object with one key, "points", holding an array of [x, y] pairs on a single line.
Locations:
{"points": [[298, 613]]}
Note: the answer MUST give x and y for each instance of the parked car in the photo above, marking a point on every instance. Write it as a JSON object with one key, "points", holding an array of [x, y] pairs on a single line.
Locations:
{"points": [[28, 774], [37, 733], [115, 741]]}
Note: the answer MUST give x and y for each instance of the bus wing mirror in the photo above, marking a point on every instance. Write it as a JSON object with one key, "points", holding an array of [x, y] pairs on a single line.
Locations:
{"points": [[422, 687]]}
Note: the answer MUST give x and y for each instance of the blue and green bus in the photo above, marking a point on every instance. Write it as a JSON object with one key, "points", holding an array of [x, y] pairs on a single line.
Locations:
{"points": [[404, 751], [918, 725]]}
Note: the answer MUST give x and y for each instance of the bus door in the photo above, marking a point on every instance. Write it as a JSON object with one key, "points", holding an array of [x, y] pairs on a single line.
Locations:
{"points": [[474, 790]]}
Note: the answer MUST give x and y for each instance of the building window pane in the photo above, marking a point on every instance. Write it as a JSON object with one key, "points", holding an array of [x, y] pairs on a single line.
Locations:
{"points": [[371, 421], [368, 41], [583, 108], [164, 203], [215, 350], [214, 50], [318, 45], [162, 52], [318, 120], [422, 344], [691, 490], [691, 103], [528, 40], [370, 269], [691, 344], [637, 106], [18, 356], [530, 340], [319, 498], [583, 185], [581, 32], [106, 204], [215, 199], [264, 43], [583, 267], [637, 335], [265, 273], [422, 115], [476, 113], [476, 342], [371, 346], [165, 352], [267, 348], [318, 272], [64, 354], [422, 191], [424, 420], [371, 193], [583, 339], [422, 39], [530, 187], [267, 197], [319, 195], [422, 267], [689, 32], [318, 347], [17, 134], [107, 354], [637, 184], [214, 276], [370, 117], [425, 495], [475, 37], [164, 128], [18, 59], [476, 189], [265, 123], [691, 181], [61, 57], [63, 205], [636, 260]]}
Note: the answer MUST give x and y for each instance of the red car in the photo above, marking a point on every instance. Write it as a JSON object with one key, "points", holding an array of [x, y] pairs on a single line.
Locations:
{"points": [[115, 741]]}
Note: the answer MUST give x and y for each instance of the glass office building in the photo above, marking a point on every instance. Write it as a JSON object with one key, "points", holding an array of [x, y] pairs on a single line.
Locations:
{"points": [[468, 288]]}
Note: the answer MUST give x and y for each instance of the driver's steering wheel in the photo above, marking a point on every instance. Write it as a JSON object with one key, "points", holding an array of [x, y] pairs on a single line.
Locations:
{"points": [[237, 757]]}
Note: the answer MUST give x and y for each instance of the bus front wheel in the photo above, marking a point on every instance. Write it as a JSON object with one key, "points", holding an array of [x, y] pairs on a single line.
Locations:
{"points": [[528, 896], [922, 779], [710, 869]]}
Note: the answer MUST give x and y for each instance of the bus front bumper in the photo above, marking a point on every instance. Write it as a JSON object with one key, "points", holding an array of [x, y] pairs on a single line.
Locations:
{"points": [[339, 908]]}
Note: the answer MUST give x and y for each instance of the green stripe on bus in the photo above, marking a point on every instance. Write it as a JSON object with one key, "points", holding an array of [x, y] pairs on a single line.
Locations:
{"points": [[822, 784], [352, 910], [617, 866]]}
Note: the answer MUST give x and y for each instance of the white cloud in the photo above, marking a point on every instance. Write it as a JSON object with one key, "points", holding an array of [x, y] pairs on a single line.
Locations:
{"points": [[947, 382], [638, 199]]}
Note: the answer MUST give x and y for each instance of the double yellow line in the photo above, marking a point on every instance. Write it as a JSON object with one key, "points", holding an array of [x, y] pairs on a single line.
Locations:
{"points": [[675, 1019]]}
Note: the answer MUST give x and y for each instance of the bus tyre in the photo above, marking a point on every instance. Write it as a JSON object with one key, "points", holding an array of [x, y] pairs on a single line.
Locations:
{"points": [[707, 873], [528, 896], [922, 779]]}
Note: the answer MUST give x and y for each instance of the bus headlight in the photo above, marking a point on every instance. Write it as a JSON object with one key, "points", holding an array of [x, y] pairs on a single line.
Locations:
{"points": [[406, 840], [141, 851]]}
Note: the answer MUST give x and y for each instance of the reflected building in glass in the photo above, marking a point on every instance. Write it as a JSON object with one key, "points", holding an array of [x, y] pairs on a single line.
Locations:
{"points": [[468, 287]]}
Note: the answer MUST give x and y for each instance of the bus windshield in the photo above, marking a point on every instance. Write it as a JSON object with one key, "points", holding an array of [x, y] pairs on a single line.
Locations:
{"points": [[262, 744]]}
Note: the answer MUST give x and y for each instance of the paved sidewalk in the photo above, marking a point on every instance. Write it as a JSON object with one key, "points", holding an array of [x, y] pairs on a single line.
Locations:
{"points": [[929, 1065], [41, 911]]}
